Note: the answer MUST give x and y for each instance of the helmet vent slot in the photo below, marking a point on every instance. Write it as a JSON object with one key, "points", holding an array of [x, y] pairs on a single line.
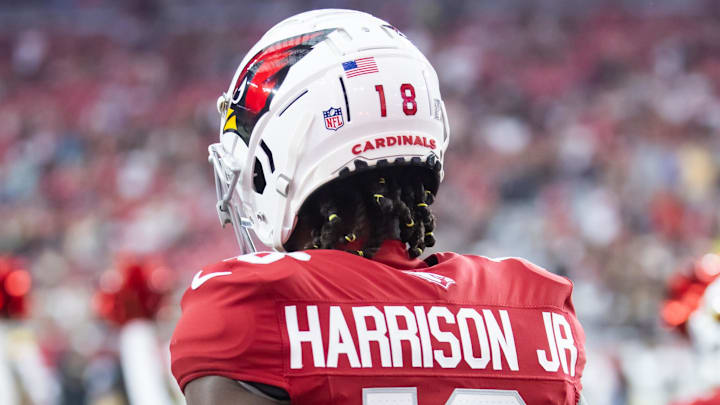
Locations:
{"points": [[259, 181], [347, 104], [268, 152]]}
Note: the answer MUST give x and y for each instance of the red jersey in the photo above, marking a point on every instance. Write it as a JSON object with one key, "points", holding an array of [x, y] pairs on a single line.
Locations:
{"points": [[712, 398], [330, 327]]}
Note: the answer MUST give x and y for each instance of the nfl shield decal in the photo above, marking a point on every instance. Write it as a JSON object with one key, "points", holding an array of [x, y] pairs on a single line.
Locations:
{"points": [[333, 118]]}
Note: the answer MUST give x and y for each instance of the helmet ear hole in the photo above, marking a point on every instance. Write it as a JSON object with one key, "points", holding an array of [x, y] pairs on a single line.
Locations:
{"points": [[259, 181]]}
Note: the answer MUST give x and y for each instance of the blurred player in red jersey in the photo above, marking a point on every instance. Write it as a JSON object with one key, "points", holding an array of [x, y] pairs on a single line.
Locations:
{"points": [[693, 308], [331, 148], [25, 378], [130, 295]]}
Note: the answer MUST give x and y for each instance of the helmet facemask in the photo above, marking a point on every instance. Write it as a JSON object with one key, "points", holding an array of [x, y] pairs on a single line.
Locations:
{"points": [[227, 173]]}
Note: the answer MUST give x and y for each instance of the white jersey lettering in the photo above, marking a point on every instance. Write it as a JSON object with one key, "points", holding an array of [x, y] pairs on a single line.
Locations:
{"points": [[424, 336], [565, 343], [365, 335], [501, 339], [462, 317], [399, 336], [341, 341], [453, 359], [560, 343], [297, 337]]}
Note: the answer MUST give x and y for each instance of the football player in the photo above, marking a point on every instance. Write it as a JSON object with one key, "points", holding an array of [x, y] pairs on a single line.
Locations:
{"points": [[704, 330], [693, 308], [24, 376], [332, 140]]}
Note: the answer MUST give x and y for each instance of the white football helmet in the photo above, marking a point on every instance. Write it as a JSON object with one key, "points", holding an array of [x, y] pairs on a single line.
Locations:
{"points": [[323, 94]]}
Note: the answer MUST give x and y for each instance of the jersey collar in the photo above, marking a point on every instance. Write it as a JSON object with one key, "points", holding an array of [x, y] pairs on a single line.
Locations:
{"points": [[394, 254]]}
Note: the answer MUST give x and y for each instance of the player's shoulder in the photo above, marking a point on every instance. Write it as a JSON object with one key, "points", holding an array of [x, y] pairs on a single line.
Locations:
{"points": [[254, 268], [522, 270], [266, 269], [526, 267], [518, 281], [267, 263]]}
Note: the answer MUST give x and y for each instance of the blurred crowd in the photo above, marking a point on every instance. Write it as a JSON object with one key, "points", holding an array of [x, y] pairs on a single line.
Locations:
{"points": [[584, 137]]}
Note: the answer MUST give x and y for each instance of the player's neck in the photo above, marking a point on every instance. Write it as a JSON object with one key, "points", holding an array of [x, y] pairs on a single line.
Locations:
{"points": [[393, 252]]}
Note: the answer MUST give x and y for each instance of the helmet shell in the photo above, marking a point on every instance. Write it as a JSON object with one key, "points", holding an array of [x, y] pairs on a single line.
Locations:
{"points": [[323, 94]]}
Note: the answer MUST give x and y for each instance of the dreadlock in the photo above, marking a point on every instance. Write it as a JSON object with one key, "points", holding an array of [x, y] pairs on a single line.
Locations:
{"points": [[358, 213]]}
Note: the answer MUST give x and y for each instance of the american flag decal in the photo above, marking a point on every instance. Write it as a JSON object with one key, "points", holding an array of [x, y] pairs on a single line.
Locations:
{"points": [[358, 67]]}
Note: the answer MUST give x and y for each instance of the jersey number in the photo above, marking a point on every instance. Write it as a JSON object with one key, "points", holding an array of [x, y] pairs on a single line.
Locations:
{"points": [[407, 92], [460, 396], [270, 257]]}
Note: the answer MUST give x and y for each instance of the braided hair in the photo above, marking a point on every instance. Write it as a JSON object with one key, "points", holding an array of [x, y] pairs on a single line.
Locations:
{"points": [[359, 212]]}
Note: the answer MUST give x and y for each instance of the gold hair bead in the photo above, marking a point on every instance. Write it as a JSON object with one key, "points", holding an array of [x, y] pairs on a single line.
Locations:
{"points": [[411, 224], [378, 197], [422, 205], [428, 192], [315, 246], [382, 180], [360, 253], [331, 217], [350, 238], [419, 251], [429, 234]]}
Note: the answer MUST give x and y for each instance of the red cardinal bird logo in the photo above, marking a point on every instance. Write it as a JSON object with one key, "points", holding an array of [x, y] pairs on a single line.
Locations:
{"points": [[262, 76]]}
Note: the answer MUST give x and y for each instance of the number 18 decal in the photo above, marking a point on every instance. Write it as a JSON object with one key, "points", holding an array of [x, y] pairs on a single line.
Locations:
{"points": [[408, 95], [407, 92], [460, 396]]}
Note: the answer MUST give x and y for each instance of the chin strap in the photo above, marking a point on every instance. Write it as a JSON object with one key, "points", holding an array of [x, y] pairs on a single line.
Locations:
{"points": [[224, 166]]}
